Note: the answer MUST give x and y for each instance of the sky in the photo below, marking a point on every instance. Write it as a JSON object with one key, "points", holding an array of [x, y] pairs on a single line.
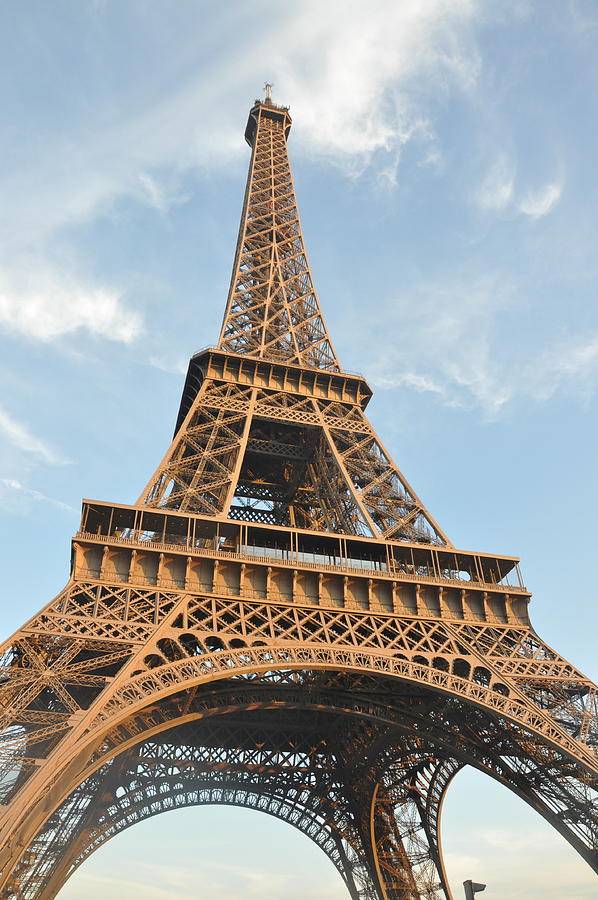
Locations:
{"points": [[444, 154]]}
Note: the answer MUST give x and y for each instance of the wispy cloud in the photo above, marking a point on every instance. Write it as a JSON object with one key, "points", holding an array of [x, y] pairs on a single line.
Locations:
{"points": [[525, 872], [40, 304], [458, 348], [498, 192], [363, 84], [584, 15], [356, 79], [15, 487], [420, 383], [20, 436], [172, 366], [569, 364], [450, 346], [161, 193], [536, 204], [361, 81]]}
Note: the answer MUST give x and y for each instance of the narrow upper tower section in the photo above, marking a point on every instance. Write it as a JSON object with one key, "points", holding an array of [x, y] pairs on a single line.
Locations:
{"points": [[270, 430], [272, 311]]}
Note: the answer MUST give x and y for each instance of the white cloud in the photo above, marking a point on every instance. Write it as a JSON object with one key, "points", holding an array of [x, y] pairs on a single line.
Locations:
{"points": [[12, 485], [570, 364], [496, 190], [42, 305], [160, 194], [584, 15], [20, 436], [420, 383], [356, 80], [539, 203], [172, 366], [579, 357], [463, 862], [459, 348], [360, 80], [535, 864], [450, 348]]}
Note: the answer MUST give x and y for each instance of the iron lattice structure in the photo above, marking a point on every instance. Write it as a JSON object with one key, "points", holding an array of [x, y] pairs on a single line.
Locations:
{"points": [[279, 623]]}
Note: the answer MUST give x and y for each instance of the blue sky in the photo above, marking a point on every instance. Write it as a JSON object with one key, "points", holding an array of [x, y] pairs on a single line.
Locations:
{"points": [[445, 161]]}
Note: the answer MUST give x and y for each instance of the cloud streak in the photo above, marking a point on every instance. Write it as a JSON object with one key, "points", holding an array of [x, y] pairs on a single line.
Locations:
{"points": [[160, 193], [570, 364], [355, 81], [450, 347], [498, 192], [539, 203], [458, 349], [15, 486], [19, 436], [225, 881]]}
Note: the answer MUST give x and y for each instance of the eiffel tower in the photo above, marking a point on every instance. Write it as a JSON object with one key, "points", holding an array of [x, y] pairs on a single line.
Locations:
{"points": [[279, 623]]}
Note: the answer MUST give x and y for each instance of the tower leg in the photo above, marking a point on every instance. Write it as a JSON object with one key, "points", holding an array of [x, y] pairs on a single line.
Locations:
{"points": [[404, 825]]}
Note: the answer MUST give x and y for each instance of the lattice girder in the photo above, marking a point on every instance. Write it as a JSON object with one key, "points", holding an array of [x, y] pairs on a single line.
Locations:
{"points": [[350, 476], [272, 310], [160, 682], [320, 785], [249, 764], [416, 716], [470, 660]]}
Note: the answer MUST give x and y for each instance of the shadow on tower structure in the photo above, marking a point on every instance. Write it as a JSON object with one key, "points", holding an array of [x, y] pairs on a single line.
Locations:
{"points": [[279, 623]]}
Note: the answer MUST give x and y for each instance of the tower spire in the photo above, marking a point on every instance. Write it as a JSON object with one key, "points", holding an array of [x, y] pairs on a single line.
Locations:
{"points": [[272, 311]]}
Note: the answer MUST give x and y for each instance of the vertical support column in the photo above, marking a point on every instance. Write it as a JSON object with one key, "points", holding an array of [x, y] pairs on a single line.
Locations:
{"points": [[396, 880]]}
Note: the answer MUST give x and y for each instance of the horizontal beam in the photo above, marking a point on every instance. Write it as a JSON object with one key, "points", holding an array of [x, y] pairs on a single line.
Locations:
{"points": [[112, 520], [237, 368]]}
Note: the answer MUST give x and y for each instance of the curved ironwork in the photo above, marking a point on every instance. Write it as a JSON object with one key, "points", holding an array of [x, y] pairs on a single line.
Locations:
{"points": [[408, 746]]}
